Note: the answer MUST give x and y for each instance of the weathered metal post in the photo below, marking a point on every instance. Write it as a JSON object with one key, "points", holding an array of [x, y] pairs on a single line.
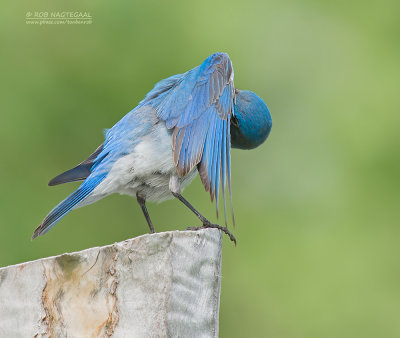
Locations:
{"points": [[159, 285]]}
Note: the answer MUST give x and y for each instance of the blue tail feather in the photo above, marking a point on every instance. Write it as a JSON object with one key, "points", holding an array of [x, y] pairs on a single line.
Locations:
{"points": [[67, 205]]}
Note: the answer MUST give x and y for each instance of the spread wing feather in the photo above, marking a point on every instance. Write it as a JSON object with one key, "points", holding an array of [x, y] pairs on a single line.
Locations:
{"points": [[198, 106]]}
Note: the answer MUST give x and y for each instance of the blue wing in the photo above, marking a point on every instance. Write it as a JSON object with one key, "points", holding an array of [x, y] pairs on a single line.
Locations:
{"points": [[198, 106], [80, 172]]}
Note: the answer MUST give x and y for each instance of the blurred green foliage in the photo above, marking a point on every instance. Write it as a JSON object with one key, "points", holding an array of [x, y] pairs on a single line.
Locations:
{"points": [[317, 206]]}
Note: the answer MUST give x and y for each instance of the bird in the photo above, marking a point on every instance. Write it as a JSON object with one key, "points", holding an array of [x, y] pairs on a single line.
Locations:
{"points": [[184, 127]]}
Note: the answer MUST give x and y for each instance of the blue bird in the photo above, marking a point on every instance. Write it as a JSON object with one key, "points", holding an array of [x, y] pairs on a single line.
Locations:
{"points": [[186, 125]]}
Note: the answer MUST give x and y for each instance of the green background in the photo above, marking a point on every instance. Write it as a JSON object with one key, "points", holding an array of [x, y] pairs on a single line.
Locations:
{"points": [[316, 205]]}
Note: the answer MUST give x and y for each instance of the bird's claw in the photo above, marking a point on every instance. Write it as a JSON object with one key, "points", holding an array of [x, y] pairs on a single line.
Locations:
{"points": [[215, 226]]}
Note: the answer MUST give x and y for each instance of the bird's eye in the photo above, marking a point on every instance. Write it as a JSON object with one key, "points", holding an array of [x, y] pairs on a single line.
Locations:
{"points": [[234, 121]]}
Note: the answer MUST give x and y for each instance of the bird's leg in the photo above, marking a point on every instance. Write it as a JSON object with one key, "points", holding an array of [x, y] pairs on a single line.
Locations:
{"points": [[142, 203], [174, 187], [205, 221]]}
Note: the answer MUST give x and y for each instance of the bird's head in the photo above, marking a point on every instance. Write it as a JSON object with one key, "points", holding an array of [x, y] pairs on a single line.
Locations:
{"points": [[251, 123]]}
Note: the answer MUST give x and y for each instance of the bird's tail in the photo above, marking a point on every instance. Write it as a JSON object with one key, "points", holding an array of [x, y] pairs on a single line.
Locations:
{"points": [[67, 205]]}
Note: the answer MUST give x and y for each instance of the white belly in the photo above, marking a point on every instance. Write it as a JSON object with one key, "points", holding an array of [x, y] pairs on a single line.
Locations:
{"points": [[147, 170]]}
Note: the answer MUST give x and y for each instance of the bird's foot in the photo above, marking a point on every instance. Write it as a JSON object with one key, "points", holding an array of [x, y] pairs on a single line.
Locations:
{"points": [[208, 224]]}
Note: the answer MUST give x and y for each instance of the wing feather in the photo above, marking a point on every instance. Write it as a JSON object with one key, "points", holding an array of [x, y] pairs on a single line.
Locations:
{"points": [[78, 173], [198, 106]]}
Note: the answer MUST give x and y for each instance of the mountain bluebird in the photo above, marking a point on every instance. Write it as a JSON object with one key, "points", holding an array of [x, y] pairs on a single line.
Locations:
{"points": [[186, 125]]}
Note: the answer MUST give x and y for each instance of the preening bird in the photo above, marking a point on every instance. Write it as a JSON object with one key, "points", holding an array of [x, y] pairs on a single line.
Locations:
{"points": [[186, 125]]}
